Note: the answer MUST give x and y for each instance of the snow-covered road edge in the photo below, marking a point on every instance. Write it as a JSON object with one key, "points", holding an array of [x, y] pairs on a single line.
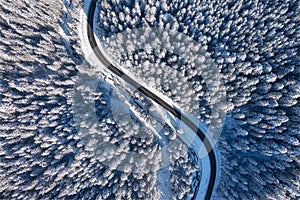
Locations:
{"points": [[189, 137]]}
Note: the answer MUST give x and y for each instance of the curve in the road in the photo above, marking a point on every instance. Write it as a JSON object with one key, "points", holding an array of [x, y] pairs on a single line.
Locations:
{"points": [[175, 111]]}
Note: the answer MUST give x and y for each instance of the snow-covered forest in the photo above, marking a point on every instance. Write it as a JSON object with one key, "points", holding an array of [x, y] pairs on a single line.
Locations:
{"points": [[124, 137], [255, 47], [239, 73], [43, 154]]}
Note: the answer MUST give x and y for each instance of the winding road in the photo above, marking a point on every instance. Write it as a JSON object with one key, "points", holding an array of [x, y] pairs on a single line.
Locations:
{"points": [[175, 111]]}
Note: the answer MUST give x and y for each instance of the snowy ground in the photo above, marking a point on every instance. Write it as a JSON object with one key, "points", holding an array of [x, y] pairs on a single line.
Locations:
{"points": [[255, 47]]}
